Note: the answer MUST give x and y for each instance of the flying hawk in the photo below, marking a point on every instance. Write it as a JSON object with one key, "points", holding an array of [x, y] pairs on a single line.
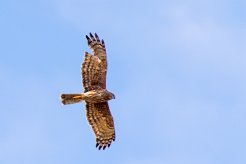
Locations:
{"points": [[96, 96]]}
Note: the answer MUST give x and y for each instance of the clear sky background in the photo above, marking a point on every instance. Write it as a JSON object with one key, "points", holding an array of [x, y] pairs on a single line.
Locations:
{"points": [[177, 68]]}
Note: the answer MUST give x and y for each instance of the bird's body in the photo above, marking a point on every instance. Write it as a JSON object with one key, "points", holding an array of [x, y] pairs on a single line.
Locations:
{"points": [[96, 96], [93, 96]]}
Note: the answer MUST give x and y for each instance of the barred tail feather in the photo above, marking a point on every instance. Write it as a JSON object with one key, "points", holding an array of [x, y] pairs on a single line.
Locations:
{"points": [[71, 98]]}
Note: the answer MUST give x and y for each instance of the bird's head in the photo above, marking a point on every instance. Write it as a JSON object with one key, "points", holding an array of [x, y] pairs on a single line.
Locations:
{"points": [[111, 95]]}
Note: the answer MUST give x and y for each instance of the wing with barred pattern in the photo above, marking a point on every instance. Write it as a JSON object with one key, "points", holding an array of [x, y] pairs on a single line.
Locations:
{"points": [[98, 49], [101, 121]]}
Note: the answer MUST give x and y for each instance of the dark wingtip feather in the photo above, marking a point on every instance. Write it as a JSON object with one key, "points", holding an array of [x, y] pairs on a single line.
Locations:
{"points": [[96, 35], [88, 40], [99, 148], [87, 37], [91, 35]]}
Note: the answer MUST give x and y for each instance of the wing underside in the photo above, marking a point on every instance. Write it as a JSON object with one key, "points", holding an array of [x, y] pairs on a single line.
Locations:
{"points": [[101, 121], [92, 73], [97, 47]]}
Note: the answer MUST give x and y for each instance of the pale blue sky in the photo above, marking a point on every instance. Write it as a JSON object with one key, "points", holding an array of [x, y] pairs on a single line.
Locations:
{"points": [[177, 68]]}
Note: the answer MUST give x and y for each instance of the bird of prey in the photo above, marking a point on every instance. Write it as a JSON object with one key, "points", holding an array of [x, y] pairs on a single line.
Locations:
{"points": [[95, 95]]}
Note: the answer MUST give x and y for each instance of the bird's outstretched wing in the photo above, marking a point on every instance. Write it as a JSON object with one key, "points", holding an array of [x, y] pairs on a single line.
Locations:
{"points": [[98, 49], [92, 75], [101, 121]]}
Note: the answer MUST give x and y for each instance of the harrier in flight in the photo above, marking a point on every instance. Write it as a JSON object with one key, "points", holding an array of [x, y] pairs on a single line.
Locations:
{"points": [[96, 96]]}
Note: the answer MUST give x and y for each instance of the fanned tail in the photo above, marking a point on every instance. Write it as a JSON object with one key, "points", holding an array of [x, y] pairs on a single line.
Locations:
{"points": [[71, 98]]}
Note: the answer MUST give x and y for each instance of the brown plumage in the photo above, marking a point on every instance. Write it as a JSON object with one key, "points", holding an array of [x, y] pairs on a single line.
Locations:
{"points": [[96, 96]]}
